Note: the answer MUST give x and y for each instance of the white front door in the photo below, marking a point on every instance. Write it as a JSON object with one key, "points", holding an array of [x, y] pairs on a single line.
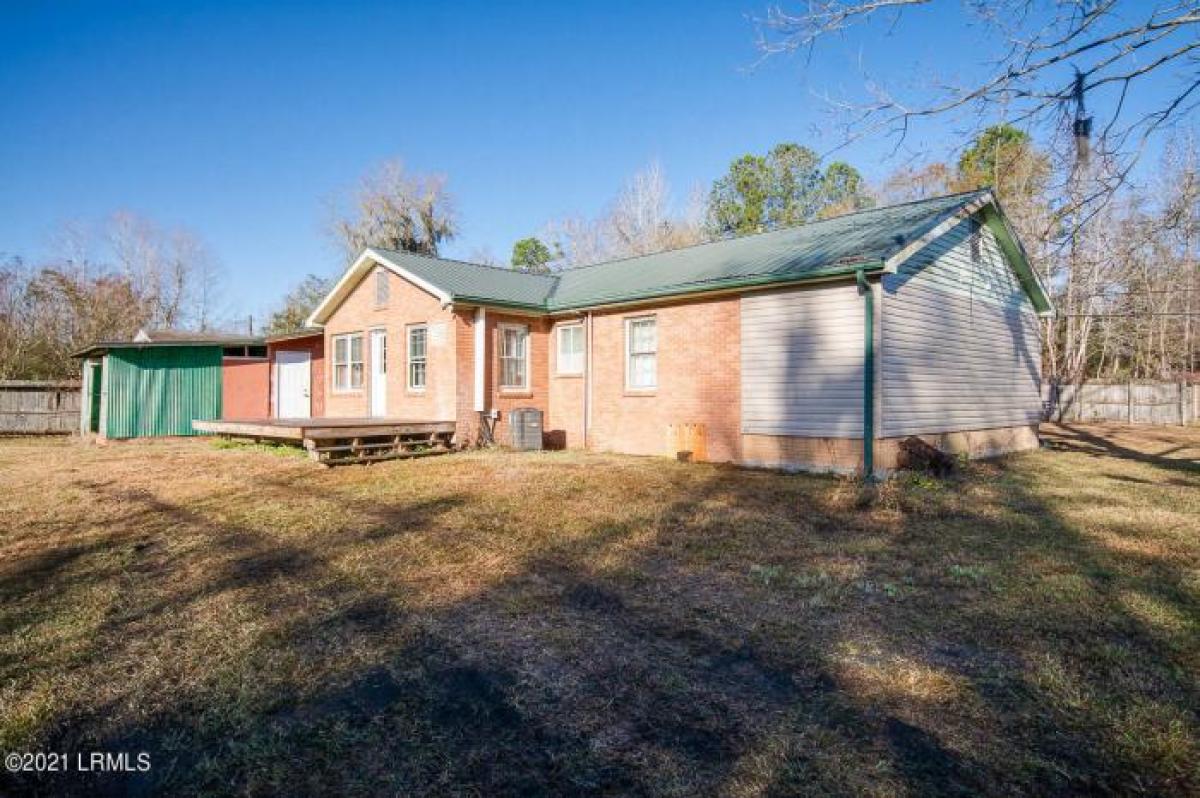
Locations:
{"points": [[378, 373], [293, 379]]}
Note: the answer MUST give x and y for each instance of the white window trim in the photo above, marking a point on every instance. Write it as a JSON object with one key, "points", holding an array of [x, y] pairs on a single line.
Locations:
{"points": [[334, 387], [408, 331], [558, 359], [629, 322], [500, 328]]}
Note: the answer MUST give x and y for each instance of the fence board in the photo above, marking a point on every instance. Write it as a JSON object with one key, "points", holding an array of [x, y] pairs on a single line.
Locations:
{"points": [[35, 407], [1131, 403]]}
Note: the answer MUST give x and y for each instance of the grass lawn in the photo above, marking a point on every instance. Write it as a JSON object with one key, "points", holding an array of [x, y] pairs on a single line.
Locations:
{"points": [[493, 623]]}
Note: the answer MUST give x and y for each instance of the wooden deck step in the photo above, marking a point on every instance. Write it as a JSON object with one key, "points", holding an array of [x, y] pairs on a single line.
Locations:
{"points": [[331, 449]]}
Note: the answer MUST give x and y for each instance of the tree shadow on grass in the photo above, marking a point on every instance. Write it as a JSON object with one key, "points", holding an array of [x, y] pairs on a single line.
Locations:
{"points": [[1081, 439], [755, 634]]}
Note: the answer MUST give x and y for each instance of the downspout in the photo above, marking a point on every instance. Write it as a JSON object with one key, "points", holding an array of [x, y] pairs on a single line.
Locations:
{"points": [[480, 349], [480, 345], [868, 432], [587, 382]]}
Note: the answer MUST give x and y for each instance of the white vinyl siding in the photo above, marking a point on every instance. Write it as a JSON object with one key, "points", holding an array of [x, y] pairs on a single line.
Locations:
{"points": [[570, 349], [802, 362], [960, 346], [514, 357], [347, 362], [418, 347], [641, 353]]}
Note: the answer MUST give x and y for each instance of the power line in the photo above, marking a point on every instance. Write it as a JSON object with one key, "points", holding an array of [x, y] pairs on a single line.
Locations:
{"points": [[1126, 315]]}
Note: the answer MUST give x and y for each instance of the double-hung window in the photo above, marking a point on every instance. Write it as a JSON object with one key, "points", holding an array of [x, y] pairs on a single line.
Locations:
{"points": [[514, 356], [347, 362], [641, 353], [418, 340], [570, 349]]}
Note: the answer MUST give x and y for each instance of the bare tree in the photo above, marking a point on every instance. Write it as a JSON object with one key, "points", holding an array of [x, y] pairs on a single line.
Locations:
{"points": [[172, 270], [1045, 64], [580, 241], [150, 277], [910, 183], [641, 219], [484, 255], [397, 210]]}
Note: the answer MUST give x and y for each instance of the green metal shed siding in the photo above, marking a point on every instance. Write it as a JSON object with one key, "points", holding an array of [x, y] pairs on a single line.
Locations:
{"points": [[162, 390]]}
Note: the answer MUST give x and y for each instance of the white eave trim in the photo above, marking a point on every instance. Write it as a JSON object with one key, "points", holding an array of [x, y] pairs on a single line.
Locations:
{"points": [[916, 245], [356, 272]]}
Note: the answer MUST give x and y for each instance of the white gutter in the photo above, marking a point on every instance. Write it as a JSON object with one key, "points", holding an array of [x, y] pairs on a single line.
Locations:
{"points": [[480, 357]]}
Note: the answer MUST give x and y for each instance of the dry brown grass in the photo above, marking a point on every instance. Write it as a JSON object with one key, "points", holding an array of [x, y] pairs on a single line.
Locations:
{"points": [[492, 623]]}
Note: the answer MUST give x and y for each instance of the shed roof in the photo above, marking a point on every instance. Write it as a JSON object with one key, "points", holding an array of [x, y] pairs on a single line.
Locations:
{"points": [[166, 335], [179, 339], [295, 335], [871, 239]]}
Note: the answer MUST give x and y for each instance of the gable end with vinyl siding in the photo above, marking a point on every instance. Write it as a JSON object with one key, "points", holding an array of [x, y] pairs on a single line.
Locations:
{"points": [[959, 346]]}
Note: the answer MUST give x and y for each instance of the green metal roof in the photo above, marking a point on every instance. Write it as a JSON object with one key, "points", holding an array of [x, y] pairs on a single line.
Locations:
{"points": [[795, 253], [838, 245], [475, 281]]}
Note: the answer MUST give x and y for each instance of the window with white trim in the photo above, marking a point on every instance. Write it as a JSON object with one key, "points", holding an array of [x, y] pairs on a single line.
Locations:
{"points": [[641, 353], [382, 288], [348, 362], [570, 349], [418, 345], [514, 356]]}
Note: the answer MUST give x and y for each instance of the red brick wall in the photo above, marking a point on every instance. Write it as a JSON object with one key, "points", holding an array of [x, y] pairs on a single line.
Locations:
{"points": [[699, 380], [406, 305], [564, 424], [538, 393], [245, 391], [315, 346], [698, 372], [467, 428], [505, 400]]}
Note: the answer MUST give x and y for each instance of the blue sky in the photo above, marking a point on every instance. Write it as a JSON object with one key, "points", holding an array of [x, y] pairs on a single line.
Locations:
{"points": [[242, 120]]}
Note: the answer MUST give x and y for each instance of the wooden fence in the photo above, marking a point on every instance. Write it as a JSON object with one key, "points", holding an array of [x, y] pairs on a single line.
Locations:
{"points": [[1127, 402], [34, 407]]}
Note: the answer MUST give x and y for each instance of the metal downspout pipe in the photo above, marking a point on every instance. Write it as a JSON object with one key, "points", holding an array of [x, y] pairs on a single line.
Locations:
{"points": [[868, 431]]}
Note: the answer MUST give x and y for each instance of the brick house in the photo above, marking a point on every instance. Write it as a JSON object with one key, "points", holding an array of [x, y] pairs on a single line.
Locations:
{"points": [[778, 349]]}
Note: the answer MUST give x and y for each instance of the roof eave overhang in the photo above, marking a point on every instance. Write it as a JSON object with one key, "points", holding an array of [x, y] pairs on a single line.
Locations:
{"points": [[106, 346], [840, 271], [355, 272], [1031, 281], [986, 204], [467, 300], [965, 211]]}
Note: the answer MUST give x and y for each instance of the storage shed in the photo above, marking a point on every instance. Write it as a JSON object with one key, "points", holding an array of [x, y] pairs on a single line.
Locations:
{"points": [[156, 384], [297, 374]]}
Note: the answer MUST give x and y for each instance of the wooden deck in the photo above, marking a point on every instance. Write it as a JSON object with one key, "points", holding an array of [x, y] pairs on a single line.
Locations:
{"points": [[332, 441]]}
